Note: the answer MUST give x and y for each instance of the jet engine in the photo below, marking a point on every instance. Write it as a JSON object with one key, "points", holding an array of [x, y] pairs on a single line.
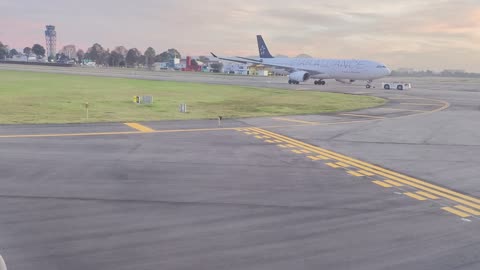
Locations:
{"points": [[299, 76]]}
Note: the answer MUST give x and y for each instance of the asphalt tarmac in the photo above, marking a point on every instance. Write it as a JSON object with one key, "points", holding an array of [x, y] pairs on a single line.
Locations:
{"points": [[394, 187]]}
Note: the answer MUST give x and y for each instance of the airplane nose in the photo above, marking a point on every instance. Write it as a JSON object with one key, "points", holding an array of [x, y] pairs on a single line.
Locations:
{"points": [[388, 71]]}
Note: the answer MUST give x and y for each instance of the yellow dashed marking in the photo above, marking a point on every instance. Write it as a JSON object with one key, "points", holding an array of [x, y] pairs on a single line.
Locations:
{"points": [[333, 165], [456, 212], [467, 205], [318, 157], [382, 184], [248, 133], [281, 145], [354, 173], [393, 183], [291, 146], [406, 180], [415, 196], [468, 210], [277, 141], [259, 137], [266, 137], [139, 127], [269, 141], [305, 151], [296, 151], [366, 173], [341, 164], [428, 195]]}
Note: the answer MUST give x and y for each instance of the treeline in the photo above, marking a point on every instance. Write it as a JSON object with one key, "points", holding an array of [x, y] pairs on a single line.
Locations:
{"points": [[430, 73], [121, 57], [36, 49], [118, 57]]}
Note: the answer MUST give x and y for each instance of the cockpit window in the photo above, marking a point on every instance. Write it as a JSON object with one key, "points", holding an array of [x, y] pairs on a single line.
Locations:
{"points": [[380, 66]]}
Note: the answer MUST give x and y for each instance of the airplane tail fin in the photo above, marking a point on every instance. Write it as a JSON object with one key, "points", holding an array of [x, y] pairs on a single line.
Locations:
{"points": [[262, 48]]}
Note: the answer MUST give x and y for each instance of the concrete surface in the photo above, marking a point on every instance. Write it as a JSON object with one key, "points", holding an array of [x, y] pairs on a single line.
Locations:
{"points": [[221, 199]]}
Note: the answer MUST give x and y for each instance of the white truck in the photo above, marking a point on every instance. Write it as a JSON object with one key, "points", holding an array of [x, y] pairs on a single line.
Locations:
{"points": [[396, 85]]}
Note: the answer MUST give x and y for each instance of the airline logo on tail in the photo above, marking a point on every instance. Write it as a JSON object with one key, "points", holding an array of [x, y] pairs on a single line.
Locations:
{"points": [[262, 48]]}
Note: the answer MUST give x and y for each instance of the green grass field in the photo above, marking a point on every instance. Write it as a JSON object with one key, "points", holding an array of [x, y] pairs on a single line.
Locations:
{"points": [[30, 97]]}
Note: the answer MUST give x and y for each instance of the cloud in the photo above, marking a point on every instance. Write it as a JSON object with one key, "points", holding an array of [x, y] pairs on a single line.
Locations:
{"points": [[401, 33]]}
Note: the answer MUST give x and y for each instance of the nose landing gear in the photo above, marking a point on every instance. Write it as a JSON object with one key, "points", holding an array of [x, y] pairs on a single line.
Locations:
{"points": [[368, 84]]}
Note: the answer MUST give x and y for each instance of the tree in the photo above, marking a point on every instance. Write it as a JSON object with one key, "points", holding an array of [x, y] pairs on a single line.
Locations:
{"points": [[121, 50], [104, 57], [3, 51], [141, 60], [132, 57], [174, 53], [80, 55], [149, 56], [115, 58], [96, 54], [38, 50], [27, 51], [163, 57], [12, 53]]}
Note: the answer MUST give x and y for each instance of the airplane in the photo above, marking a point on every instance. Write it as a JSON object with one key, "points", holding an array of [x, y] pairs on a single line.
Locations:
{"points": [[303, 69]]}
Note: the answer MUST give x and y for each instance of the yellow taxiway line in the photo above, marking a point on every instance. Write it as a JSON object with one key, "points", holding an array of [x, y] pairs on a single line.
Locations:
{"points": [[139, 127], [428, 190], [113, 133]]}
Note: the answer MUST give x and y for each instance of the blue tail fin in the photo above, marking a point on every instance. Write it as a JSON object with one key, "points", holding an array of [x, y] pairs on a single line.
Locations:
{"points": [[262, 48]]}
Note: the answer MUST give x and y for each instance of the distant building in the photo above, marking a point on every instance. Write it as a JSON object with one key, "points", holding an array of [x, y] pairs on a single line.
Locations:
{"points": [[24, 58], [235, 68], [157, 66], [258, 70], [69, 50]]}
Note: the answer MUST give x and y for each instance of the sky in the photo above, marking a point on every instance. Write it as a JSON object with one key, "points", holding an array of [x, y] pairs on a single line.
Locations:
{"points": [[427, 34]]}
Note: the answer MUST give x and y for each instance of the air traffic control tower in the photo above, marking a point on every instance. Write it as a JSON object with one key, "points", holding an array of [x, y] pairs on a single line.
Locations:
{"points": [[51, 40]]}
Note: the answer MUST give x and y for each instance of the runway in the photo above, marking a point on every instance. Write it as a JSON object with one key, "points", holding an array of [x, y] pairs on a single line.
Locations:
{"points": [[393, 187]]}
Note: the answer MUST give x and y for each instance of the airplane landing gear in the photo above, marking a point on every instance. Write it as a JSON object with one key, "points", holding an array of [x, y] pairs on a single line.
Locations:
{"points": [[368, 84], [319, 82]]}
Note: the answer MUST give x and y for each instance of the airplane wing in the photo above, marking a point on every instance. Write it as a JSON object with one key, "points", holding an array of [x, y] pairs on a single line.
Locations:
{"points": [[238, 59], [245, 60]]}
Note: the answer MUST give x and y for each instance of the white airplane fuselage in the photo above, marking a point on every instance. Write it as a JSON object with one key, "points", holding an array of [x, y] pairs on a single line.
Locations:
{"points": [[334, 68]]}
